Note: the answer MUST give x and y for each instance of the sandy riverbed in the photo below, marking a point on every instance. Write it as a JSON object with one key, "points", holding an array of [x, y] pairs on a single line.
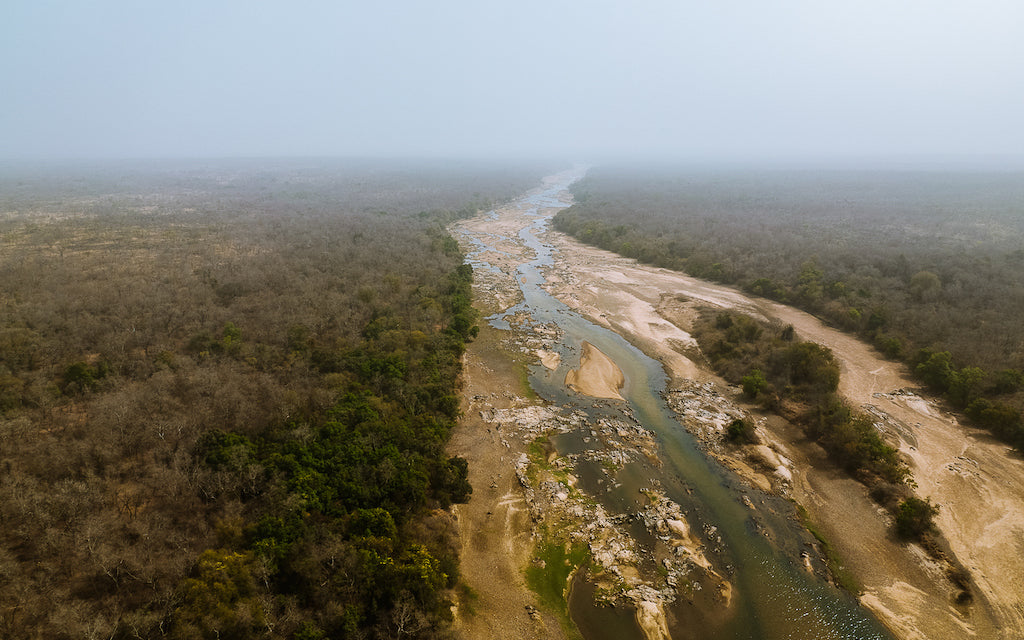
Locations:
{"points": [[495, 525]]}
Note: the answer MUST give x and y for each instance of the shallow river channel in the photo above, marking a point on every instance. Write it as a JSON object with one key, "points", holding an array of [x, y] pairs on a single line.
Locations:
{"points": [[753, 540]]}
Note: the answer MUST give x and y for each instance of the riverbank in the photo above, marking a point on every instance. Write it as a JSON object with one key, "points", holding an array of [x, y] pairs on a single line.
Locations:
{"points": [[494, 526], [496, 530]]}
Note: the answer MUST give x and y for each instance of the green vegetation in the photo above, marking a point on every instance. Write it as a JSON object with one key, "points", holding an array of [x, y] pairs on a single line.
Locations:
{"points": [[754, 384], [740, 431], [800, 378], [914, 518], [548, 576], [927, 266], [225, 395], [538, 452], [556, 558]]}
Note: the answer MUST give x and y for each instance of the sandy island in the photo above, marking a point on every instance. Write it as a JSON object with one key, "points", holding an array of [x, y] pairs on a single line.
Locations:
{"points": [[598, 375]]}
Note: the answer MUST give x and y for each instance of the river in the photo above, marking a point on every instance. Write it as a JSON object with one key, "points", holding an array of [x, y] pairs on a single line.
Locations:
{"points": [[753, 540]]}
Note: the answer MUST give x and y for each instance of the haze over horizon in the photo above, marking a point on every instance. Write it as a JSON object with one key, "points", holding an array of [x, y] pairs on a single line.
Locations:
{"points": [[730, 80]]}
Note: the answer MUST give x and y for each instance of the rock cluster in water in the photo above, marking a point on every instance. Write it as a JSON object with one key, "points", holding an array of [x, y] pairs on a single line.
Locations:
{"points": [[624, 571]]}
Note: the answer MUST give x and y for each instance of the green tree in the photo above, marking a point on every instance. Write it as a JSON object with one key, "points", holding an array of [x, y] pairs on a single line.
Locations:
{"points": [[965, 385], [1003, 420], [936, 370], [220, 601], [452, 483], [740, 431], [808, 366], [915, 518], [1007, 381], [80, 377], [753, 383], [809, 286], [231, 340]]}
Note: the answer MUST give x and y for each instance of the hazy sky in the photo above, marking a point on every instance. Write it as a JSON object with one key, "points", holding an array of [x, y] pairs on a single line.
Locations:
{"points": [[721, 78]]}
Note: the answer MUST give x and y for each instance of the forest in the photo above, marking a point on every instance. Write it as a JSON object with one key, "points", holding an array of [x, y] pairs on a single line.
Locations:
{"points": [[225, 393], [926, 265]]}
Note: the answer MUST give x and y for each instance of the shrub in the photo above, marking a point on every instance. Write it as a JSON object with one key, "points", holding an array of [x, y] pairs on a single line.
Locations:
{"points": [[740, 431], [754, 383], [936, 370], [914, 518]]}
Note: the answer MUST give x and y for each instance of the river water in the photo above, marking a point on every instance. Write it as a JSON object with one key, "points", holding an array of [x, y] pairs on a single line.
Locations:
{"points": [[757, 550]]}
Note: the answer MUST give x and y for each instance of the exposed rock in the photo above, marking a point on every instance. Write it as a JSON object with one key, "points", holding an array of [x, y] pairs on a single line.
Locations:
{"points": [[679, 528]]}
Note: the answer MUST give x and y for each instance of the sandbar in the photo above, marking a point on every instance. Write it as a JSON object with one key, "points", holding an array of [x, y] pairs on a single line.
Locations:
{"points": [[598, 375]]}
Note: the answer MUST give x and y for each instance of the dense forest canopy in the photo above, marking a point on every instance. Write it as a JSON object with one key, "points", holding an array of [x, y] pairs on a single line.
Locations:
{"points": [[929, 265], [225, 390]]}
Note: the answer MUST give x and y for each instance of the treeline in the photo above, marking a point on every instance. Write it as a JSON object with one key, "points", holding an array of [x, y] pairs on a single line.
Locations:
{"points": [[225, 394], [928, 266], [799, 380]]}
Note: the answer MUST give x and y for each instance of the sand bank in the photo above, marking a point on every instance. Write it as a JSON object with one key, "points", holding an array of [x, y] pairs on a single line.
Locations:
{"points": [[598, 375]]}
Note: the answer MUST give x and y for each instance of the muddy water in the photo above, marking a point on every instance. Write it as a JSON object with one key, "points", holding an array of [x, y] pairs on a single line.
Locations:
{"points": [[756, 548]]}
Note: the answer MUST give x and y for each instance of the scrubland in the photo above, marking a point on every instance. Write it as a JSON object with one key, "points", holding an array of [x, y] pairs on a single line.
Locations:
{"points": [[225, 391]]}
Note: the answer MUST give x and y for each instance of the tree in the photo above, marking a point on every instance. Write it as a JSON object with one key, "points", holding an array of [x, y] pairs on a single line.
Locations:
{"points": [[807, 365], [936, 370], [925, 286], [219, 602], [406, 618], [914, 518], [452, 483], [740, 431], [223, 313], [79, 377], [754, 383], [809, 286], [965, 385]]}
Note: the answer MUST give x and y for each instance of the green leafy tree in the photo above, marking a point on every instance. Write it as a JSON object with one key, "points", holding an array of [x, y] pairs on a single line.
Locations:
{"points": [[915, 518], [220, 600], [740, 431], [80, 377], [809, 286], [231, 339], [1007, 381], [452, 481], [936, 369], [754, 383], [965, 385]]}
